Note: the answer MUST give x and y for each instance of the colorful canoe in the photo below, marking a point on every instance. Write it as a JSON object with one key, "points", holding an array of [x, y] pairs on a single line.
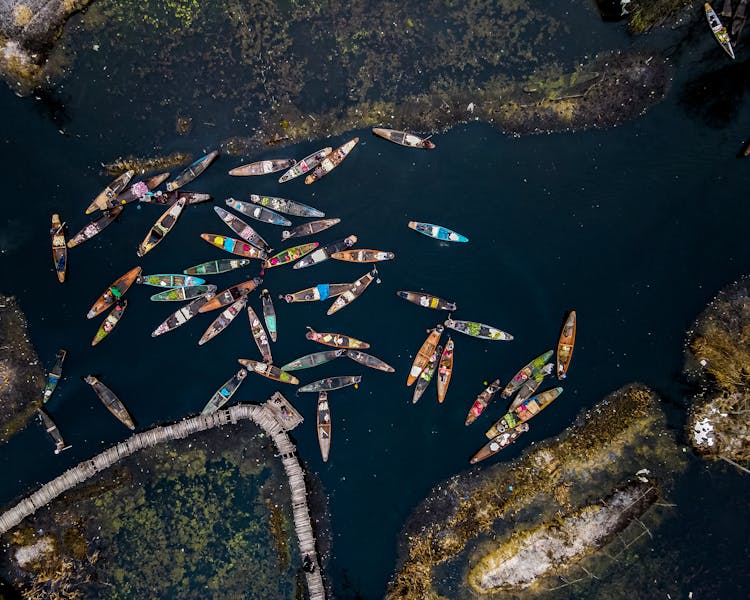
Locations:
{"points": [[322, 291], [259, 213], [214, 267], [323, 422], [169, 280], [402, 138], [437, 231], [335, 340], [565, 345], [229, 295], [330, 162], [269, 314], [306, 164], [499, 442], [263, 167], [331, 383], [170, 198], [310, 228], [288, 207], [445, 370], [233, 246], [114, 292], [53, 375], [313, 360], [355, 291], [324, 253], [95, 227], [111, 401], [522, 375], [59, 247], [482, 401], [478, 330], [289, 255], [369, 361], [531, 385], [52, 431], [113, 318], [267, 370], [183, 314], [242, 229], [138, 189], [363, 256], [192, 171], [424, 354], [183, 293], [426, 375], [524, 412], [161, 228], [224, 393], [223, 320], [109, 193], [259, 335], [426, 300], [718, 29]]}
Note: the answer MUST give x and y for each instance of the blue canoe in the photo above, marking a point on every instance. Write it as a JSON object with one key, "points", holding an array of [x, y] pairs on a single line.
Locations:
{"points": [[437, 231]]}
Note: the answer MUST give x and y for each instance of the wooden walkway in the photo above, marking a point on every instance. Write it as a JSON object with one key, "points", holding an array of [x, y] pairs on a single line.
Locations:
{"points": [[275, 417]]}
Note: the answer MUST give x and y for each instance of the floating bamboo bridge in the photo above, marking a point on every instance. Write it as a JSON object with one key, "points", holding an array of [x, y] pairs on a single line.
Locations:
{"points": [[276, 417]]}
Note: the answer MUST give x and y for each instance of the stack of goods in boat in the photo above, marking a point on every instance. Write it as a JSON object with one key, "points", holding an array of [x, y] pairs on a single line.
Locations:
{"points": [[231, 294], [263, 167], [184, 314], [523, 374], [113, 318], [108, 195], [306, 164], [368, 360], [478, 330], [335, 340], [445, 370], [171, 198], [53, 375], [424, 354], [523, 412], [259, 213], [310, 228], [531, 384], [242, 229], [426, 300], [192, 171], [224, 393], [426, 375], [267, 370], [223, 320], [322, 291], [331, 161], [111, 401], [499, 442], [565, 345], [259, 335], [363, 256], [313, 360], [718, 29], [161, 228], [289, 255], [402, 138], [183, 293], [269, 314], [324, 253], [59, 248], [114, 292], [169, 280], [138, 190], [323, 421], [354, 292], [437, 231], [482, 401], [215, 267], [331, 383], [95, 227], [234, 246], [288, 207]]}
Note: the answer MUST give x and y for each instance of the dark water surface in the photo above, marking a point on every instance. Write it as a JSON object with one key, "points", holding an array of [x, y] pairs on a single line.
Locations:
{"points": [[636, 228]]}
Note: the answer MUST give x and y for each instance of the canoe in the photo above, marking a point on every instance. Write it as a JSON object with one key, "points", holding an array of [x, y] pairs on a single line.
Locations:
{"points": [[242, 229], [738, 22], [259, 335], [183, 293], [59, 248], [355, 291], [269, 314], [363, 256], [223, 320], [263, 167], [114, 292], [322, 291], [331, 383], [309, 228], [424, 354], [113, 318], [53, 375], [719, 31], [109, 193], [95, 227], [259, 213], [224, 393], [402, 138], [426, 375], [192, 171], [170, 198], [169, 280], [289, 255], [138, 189], [531, 385], [111, 401], [335, 340], [437, 231], [233, 246], [288, 207], [565, 345], [323, 420], [231, 294], [478, 330], [522, 375], [306, 164], [214, 267], [161, 228], [369, 361], [727, 10], [324, 253], [270, 371], [313, 360], [330, 162], [426, 300], [183, 314], [524, 412], [445, 371], [499, 442], [482, 401], [52, 431]]}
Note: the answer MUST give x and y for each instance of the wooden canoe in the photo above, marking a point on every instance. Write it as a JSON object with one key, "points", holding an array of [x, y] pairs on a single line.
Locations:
{"points": [[306, 164], [426, 375], [242, 229], [424, 354], [445, 370], [95, 227], [437, 232], [363, 256], [478, 330], [522, 375], [426, 300], [310, 228], [482, 401], [138, 189], [259, 213], [331, 383], [499, 442], [402, 138], [183, 314], [214, 267], [161, 228], [109, 193], [289, 255], [263, 167], [224, 393], [233, 246], [336, 340], [114, 292], [738, 22], [524, 412], [268, 370], [288, 207], [113, 318], [323, 420], [259, 335], [324, 253], [183, 293], [59, 247], [718, 29], [231, 294], [322, 291], [170, 198], [169, 280], [313, 360], [53, 375], [330, 162], [531, 385], [52, 431], [192, 171], [565, 345], [223, 320], [369, 361], [269, 314], [355, 291], [111, 401]]}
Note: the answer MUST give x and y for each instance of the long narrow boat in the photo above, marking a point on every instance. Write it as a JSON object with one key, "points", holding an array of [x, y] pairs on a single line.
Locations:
{"points": [[478, 330], [269, 314], [111, 401], [531, 385], [402, 138], [426, 375], [161, 228], [224, 393], [114, 292], [524, 412], [138, 189], [268, 370], [288, 207], [233, 246], [259, 213], [424, 354], [183, 314], [289, 255], [727, 10], [231, 294], [53, 375], [324, 253], [113, 318], [499, 442], [52, 431], [363, 256], [223, 320], [369, 361], [310, 228], [330, 162], [170, 198], [323, 421], [242, 229], [482, 401], [192, 171], [565, 345], [95, 227], [169, 280], [183, 293], [738, 22], [719, 31], [437, 231], [322, 291], [109, 193], [263, 167], [522, 375], [313, 360], [59, 248], [259, 335], [354, 292], [303, 166], [336, 340], [214, 267], [331, 383], [445, 370], [426, 300]]}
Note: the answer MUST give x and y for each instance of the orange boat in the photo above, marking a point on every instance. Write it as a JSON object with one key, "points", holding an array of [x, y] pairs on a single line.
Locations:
{"points": [[445, 370], [59, 247], [424, 354], [231, 295], [114, 292], [335, 340], [565, 345]]}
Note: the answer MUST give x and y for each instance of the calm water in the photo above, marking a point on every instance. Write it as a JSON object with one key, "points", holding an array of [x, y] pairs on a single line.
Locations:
{"points": [[635, 227]]}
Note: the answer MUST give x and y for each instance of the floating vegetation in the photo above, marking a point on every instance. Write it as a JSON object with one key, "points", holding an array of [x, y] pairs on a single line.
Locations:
{"points": [[146, 165], [646, 14]]}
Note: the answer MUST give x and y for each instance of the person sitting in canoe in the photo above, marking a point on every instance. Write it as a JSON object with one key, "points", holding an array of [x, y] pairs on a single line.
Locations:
{"points": [[112, 293]]}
